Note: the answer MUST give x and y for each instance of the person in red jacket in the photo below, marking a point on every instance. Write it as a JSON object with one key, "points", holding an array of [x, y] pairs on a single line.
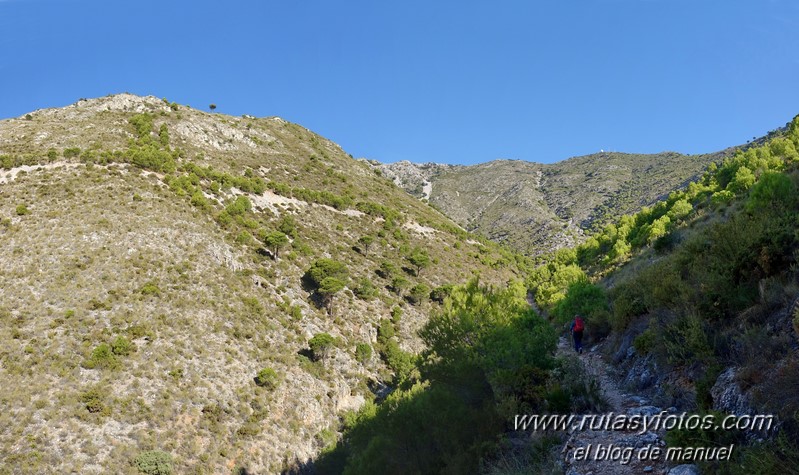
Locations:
{"points": [[577, 333]]}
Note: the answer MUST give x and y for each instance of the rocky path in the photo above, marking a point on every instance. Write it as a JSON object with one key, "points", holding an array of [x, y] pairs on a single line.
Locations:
{"points": [[611, 452]]}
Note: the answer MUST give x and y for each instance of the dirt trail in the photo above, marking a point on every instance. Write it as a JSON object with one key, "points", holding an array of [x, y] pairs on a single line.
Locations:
{"points": [[593, 443]]}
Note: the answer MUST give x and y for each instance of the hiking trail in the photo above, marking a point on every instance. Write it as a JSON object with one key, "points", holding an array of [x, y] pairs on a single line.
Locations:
{"points": [[623, 445]]}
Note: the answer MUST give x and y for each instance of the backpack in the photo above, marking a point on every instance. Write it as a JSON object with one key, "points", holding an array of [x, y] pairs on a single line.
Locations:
{"points": [[578, 324]]}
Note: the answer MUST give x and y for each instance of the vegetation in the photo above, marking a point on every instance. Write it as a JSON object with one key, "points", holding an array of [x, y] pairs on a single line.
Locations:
{"points": [[484, 345], [267, 378], [712, 271], [275, 241], [154, 462], [363, 352], [321, 345]]}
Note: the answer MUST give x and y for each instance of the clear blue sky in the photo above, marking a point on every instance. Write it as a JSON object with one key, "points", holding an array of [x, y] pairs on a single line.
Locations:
{"points": [[455, 81]]}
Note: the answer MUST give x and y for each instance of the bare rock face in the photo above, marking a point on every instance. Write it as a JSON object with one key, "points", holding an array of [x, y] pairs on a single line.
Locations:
{"points": [[728, 396]]}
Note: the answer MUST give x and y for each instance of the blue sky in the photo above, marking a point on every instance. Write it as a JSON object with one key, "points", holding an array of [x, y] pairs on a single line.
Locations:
{"points": [[456, 81]]}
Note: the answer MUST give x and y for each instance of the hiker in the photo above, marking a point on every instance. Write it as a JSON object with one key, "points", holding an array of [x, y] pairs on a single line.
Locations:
{"points": [[577, 333]]}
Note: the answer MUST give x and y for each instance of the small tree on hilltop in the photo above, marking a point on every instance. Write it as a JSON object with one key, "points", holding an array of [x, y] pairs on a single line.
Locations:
{"points": [[212, 107]]}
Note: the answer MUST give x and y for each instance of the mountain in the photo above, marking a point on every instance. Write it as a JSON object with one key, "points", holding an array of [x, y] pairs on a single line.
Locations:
{"points": [[535, 208], [203, 292]]}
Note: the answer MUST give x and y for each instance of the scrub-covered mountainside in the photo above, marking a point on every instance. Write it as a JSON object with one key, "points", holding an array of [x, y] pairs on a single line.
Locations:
{"points": [[536, 208], [693, 303], [200, 293], [699, 296]]}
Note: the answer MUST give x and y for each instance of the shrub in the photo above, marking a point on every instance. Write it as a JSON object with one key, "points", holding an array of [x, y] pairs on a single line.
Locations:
{"points": [[401, 362], [102, 356], [267, 378], [239, 206], [396, 315], [150, 288], [385, 331], [363, 352], [244, 238], [419, 293], [399, 283], [288, 226], [387, 269], [94, 401], [154, 462], [199, 200], [773, 190], [582, 298], [440, 293], [321, 345], [645, 342], [143, 123], [71, 152], [22, 210], [365, 290], [122, 346]]}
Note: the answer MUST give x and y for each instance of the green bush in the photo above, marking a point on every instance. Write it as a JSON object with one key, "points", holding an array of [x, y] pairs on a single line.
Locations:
{"points": [[244, 238], [150, 288], [94, 400], [288, 226], [199, 200], [363, 352], [419, 293], [396, 315], [588, 300], [154, 462], [22, 210], [774, 190], [122, 346], [440, 293], [321, 345], [385, 331], [645, 342], [239, 206], [401, 362], [143, 123], [399, 283], [71, 152], [267, 378], [365, 290], [102, 356]]}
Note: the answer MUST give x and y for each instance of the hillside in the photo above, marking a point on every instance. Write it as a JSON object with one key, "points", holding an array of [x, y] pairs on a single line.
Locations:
{"points": [[536, 208], [168, 277], [698, 298]]}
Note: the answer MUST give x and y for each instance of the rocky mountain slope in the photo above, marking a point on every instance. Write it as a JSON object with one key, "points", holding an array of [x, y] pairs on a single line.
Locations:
{"points": [[163, 271], [535, 207]]}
